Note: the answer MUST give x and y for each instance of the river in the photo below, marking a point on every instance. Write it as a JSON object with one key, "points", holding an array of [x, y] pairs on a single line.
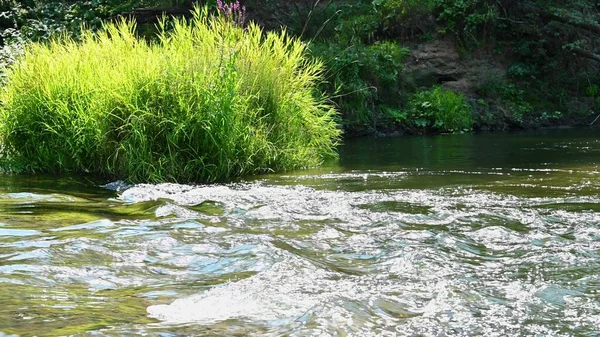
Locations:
{"points": [[462, 235]]}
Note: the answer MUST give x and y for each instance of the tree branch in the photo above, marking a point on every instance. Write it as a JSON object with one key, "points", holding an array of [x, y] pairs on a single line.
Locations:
{"points": [[567, 19], [586, 53]]}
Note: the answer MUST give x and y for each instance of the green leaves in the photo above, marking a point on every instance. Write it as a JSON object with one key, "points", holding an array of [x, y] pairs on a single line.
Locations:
{"points": [[364, 81], [41, 20], [439, 110], [465, 18]]}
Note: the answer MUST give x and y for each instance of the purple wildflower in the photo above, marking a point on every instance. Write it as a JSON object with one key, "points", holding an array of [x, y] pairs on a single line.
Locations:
{"points": [[233, 11]]}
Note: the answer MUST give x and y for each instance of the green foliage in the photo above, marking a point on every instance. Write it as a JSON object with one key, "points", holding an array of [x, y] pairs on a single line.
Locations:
{"points": [[439, 110], [209, 101], [355, 21], [358, 41], [364, 81], [40, 20], [551, 115], [361, 27], [510, 94], [466, 18], [401, 8], [521, 71], [593, 91], [404, 19]]}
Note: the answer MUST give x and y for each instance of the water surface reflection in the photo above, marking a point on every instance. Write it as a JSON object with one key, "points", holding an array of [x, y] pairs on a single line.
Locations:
{"points": [[465, 235]]}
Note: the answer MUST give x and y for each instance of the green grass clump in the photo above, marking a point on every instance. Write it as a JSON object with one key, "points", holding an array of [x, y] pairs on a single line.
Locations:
{"points": [[439, 110], [209, 101]]}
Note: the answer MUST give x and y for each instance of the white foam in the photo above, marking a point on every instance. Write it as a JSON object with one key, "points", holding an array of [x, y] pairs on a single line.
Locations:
{"points": [[278, 293]]}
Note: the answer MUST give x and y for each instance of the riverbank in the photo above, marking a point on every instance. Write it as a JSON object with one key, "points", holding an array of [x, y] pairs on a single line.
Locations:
{"points": [[392, 66], [512, 62]]}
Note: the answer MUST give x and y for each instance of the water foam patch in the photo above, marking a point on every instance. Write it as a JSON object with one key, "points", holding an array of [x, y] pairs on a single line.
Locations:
{"points": [[279, 293]]}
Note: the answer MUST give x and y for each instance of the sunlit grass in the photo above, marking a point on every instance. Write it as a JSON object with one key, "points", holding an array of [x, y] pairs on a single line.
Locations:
{"points": [[209, 101]]}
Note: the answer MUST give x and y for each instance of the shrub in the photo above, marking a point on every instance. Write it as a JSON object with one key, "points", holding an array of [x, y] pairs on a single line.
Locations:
{"points": [[439, 110], [405, 19], [208, 101], [510, 95], [364, 80], [467, 19]]}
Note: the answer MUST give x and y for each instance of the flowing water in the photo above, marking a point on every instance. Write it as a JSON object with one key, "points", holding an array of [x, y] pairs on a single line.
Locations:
{"points": [[466, 235]]}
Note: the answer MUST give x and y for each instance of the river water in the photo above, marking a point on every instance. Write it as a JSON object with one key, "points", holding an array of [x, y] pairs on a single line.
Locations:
{"points": [[463, 235]]}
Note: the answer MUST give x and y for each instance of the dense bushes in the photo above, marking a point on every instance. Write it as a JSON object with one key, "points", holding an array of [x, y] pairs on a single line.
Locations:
{"points": [[40, 20], [364, 81], [363, 68], [439, 110], [209, 101]]}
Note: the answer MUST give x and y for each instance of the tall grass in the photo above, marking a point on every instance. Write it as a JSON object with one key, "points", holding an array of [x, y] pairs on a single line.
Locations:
{"points": [[208, 101]]}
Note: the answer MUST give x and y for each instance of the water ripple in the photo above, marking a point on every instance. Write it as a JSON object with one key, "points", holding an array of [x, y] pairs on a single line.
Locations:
{"points": [[410, 251]]}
